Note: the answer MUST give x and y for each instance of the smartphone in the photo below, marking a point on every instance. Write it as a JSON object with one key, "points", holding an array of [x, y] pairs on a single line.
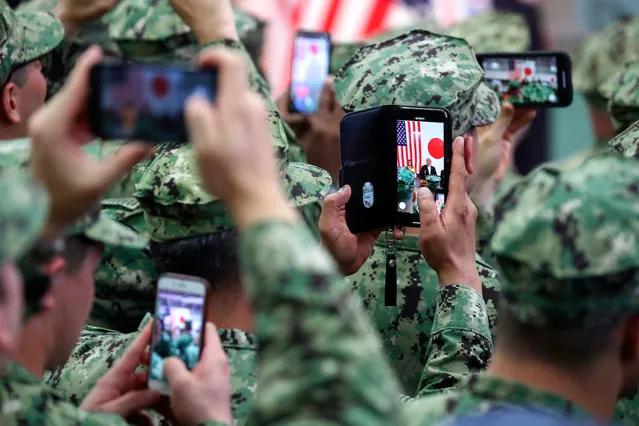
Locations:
{"points": [[530, 79], [178, 325], [145, 102], [309, 70], [424, 152]]}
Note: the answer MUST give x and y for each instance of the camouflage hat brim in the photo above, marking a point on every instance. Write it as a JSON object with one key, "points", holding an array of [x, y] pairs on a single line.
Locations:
{"points": [[487, 107], [40, 34], [23, 212], [103, 229]]}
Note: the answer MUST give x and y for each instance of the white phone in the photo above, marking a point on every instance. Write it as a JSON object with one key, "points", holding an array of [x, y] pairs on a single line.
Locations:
{"points": [[178, 327]]}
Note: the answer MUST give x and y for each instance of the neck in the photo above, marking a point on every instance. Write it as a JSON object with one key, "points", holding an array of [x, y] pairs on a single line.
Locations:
{"points": [[576, 387], [12, 132], [230, 310], [31, 349]]}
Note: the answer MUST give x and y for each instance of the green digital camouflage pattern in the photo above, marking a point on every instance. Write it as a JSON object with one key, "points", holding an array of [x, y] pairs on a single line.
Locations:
{"points": [[579, 266], [405, 182], [602, 55], [622, 92], [26, 400], [481, 393], [419, 68], [319, 359], [341, 53], [23, 212], [494, 32], [177, 206], [98, 349], [25, 37], [405, 329], [125, 279], [627, 142], [101, 228]]}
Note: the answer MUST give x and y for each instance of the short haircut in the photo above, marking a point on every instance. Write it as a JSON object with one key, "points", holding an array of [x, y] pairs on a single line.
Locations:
{"points": [[212, 257], [75, 252], [20, 76], [568, 349]]}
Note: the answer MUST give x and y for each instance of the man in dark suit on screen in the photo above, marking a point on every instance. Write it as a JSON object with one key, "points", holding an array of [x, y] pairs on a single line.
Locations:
{"points": [[427, 170]]}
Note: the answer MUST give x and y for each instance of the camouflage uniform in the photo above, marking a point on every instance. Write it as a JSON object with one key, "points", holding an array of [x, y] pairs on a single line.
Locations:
{"points": [[580, 274], [622, 92], [494, 32], [443, 73], [627, 142]]}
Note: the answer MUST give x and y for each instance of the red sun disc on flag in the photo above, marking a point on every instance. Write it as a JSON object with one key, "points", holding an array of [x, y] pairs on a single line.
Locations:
{"points": [[552, 79], [436, 148], [160, 86], [182, 319], [528, 71], [314, 49]]}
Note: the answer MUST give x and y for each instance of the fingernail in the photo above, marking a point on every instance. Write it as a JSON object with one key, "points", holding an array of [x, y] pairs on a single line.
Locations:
{"points": [[343, 189], [424, 193]]}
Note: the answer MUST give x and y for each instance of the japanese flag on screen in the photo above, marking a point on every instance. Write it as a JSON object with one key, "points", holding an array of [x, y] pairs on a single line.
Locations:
{"points": [[419, 141]]}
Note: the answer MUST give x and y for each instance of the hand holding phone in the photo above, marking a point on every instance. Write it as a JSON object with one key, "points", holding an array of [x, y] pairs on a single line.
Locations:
{"points": [[530, 79], [178, 325], [310, 68], [145, 102]]}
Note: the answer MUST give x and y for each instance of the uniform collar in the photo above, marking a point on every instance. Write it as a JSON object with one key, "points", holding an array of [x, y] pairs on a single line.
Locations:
{"points": [[495, 389], [18, 374]]}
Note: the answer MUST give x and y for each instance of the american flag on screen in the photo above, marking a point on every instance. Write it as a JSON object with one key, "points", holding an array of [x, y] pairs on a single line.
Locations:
{"points": [[409, 144]]}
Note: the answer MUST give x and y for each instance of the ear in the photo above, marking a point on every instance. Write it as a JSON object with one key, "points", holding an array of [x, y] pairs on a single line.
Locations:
{"points": [[54, 266], [10, 103]]}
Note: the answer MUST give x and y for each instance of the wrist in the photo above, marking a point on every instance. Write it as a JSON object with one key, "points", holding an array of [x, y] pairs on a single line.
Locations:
{"points": [[71, 27], [468, 278], [260, 204], [207, 33]]}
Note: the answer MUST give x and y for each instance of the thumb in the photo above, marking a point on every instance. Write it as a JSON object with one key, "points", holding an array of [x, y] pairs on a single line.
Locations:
{"points": [[428, 214], [174, 370], [200, 119], [132, 402], [338, 200], [113, 168], [505, 118]]}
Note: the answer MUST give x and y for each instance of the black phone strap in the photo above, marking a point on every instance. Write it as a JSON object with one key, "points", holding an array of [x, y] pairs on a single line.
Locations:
{"points": [[390, 289]]}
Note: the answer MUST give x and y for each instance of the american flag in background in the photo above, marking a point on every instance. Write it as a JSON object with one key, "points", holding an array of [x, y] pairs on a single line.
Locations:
{"points": [[409, 144], [346, 20]]}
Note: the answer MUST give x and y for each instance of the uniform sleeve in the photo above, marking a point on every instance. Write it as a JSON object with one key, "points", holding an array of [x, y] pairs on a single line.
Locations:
{"points": [[460, 342], [319, 360]]}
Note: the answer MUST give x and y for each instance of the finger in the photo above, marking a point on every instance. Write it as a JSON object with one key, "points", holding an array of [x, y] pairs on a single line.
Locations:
{"points": [[429, 220], [468, 154], [504, 120], [232, 74], [200, 121], [174, 371], [522, 119], [131, 402], [133, 355], [458, 171], [337, 200], [213, 350], [111, 169], [326, 102], [75, 93]]}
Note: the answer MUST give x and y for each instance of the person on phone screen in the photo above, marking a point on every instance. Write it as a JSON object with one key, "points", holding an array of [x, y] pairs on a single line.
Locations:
{"points": [[428, 170]]}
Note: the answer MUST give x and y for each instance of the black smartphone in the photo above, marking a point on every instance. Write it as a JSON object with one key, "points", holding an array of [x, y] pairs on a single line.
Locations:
{"points": [[309, 70], [424, 151], [388, 153], [178, 329], [145, 102], [530, 79]]}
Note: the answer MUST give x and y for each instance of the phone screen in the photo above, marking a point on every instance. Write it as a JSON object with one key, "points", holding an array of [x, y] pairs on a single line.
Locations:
{"points": [[311, 60], [145, 102], [525, 80], [178, 327], [420, 161], [440, 201]]}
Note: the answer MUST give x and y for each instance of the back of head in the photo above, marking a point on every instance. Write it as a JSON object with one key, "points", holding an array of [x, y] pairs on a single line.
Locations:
{"points": [[601, 55], [419, 68], [622, 92]]}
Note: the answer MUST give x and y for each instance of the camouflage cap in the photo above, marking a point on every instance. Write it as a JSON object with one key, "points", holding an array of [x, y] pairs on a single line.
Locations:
{"points": [[341, 53], [98, 226], [151, 29], [601, 55], [419, 68], [176, 205], [494, 32], [622, 92], [567, 243], [26, 36], [23, 212], [627, 142]]}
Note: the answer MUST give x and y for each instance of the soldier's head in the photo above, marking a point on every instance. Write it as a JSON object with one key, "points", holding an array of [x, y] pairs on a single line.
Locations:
{"points": [[22, 216], [191, 231], [26, 40], [567, 246], [599, 57], [62, 310], [420, 68], [622, 92]]}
